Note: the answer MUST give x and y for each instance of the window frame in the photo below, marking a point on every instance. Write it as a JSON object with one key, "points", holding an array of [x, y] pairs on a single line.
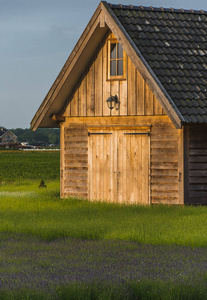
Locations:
{"points": [[109, 76]]}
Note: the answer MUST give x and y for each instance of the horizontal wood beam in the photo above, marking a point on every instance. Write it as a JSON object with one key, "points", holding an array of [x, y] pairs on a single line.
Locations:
{"points": [[123, 120]]}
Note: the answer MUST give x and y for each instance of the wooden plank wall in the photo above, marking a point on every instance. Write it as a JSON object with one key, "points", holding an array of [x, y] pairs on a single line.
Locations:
{"points": [[91, 93], [164, 164], [164, 157], [75, 161], [196, 165]]}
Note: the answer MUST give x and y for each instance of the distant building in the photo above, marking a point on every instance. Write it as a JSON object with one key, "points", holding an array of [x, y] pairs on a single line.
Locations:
{"points": [[7, 136]]}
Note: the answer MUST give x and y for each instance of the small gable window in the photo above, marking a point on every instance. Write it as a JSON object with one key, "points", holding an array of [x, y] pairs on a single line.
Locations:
{"points": [[115, 60]]}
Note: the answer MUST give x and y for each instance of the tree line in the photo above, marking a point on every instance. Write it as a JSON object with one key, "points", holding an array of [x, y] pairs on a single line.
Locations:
{"points": [[40, 137]]}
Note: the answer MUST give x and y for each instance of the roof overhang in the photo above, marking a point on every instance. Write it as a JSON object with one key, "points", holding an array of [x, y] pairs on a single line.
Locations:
{"points": [[71, 71], [101, 22]]}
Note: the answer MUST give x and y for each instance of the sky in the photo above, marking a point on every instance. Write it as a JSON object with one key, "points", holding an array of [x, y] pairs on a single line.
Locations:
{"points": [[36, 38]]}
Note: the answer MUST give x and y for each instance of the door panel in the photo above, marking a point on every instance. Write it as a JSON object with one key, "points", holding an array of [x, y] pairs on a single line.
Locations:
{"points": [[101, 165], [119, 166], [133, 158]]}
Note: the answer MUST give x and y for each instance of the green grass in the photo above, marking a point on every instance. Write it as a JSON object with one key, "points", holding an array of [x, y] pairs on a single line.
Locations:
{"points": [[25, 208], [38, 214], [18, 165]]}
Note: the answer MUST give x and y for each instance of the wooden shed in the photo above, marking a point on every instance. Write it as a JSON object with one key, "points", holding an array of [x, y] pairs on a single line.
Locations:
{"points": [[147, 143]]}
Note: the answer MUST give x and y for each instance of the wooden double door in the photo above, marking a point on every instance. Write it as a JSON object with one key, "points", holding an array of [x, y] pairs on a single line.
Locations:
{"points": [[119, 165]]}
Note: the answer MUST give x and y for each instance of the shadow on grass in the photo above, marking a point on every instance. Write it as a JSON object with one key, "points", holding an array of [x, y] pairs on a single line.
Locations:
{"points": [[143, 290]]}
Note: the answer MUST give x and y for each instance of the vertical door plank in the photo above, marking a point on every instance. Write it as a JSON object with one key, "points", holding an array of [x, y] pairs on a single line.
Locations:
{"points": [[98, 169], [120, 167], [145, 169], [102, 167], [128, 169], [112, 169], [132, 166], [115, 167], [107, 167]]}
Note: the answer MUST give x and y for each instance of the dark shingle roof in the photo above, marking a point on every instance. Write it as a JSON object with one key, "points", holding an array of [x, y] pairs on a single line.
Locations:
{"points": [[174, 44]]}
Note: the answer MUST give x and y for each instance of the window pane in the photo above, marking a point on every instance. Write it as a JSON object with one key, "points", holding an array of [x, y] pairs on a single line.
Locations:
{"points": [[120, 67], [113, 51], [113, 68], [120, 51]]}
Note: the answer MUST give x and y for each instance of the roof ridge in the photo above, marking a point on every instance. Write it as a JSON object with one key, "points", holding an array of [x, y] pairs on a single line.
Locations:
{"points": [[157, 9]]}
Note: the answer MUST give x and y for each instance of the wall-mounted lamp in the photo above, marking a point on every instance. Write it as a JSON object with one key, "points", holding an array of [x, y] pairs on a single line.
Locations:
{"points": [[112, 102]]}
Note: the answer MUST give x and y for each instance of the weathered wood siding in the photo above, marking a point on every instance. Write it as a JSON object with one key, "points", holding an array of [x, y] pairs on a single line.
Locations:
{"points": [[196, 165], [164, 164], [91, 93], [164, 182], [74, 161]]}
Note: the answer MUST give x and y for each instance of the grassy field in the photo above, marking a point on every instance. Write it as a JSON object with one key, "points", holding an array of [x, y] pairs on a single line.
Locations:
{"points": [[35, 165], [75, 249], [25, 208]]}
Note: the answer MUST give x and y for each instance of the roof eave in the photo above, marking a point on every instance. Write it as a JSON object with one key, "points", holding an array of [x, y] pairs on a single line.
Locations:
{"points": [[79, 57]]}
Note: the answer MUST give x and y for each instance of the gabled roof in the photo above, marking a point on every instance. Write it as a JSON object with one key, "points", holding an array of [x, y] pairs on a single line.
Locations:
{"points": [[167, 46], [4, 131], [174, 44]]}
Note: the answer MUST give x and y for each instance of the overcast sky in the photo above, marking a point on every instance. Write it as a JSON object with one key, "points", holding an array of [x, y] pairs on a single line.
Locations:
{"points": [[37, 37]]}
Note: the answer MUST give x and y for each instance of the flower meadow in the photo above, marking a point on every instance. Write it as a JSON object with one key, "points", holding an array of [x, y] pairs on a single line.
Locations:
{"points": [[52, 248]]}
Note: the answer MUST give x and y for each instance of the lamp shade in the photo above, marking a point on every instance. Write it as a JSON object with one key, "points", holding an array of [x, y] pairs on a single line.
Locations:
{"points": [[112, 102]]}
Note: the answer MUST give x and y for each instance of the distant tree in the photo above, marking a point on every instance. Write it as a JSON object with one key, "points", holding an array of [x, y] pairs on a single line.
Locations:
{"points": [[52, 138], [41, 136]]}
